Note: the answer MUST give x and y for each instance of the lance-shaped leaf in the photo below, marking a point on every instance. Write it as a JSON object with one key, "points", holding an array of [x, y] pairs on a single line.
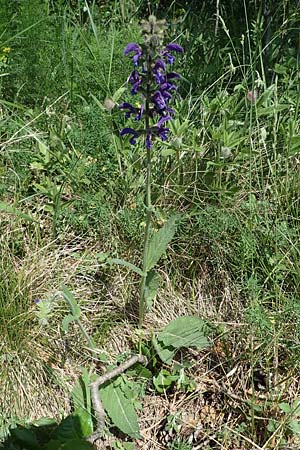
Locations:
{"points": [[122, 262], [120, 410], [160, 241], [151, 287], [71, 302]]}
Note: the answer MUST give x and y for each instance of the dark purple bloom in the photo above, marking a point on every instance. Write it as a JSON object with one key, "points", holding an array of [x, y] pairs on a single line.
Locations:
{"points": [[162, 120], [149, 140], [159, 101], [158, 71], [171, 75], [174, 48], [136, 80], [136, 49], [168, 87], [165, 94], [162, 133], [132, 140], [171, 48], [130, 109]]}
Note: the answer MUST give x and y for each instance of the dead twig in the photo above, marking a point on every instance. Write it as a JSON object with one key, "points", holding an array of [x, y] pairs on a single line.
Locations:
{"points": [[97, 405]]}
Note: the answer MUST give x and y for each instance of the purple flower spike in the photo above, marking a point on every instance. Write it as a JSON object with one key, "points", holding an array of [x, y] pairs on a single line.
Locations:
{"points": [[136, 49], [132, 140]]}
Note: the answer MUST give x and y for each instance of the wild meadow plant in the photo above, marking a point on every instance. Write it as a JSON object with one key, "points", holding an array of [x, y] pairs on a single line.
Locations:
{"points": [[154, 84]]}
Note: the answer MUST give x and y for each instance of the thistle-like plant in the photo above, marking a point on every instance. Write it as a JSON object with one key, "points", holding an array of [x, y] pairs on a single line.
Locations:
{"points": [[154, 83]]}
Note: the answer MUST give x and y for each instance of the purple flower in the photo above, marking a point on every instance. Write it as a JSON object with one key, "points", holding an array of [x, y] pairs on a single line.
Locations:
{"points": [[171, 48], [162, 133], [162, 120], [171, 75], [148, 140], [136, 49], [158, 71], [159, 101], [165, 94], [174, 48], [136, 80], [132, 140], [130, 109]]}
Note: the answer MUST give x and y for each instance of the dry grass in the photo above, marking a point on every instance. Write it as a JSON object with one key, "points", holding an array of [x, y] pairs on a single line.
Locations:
{"points": [[236, 394]]}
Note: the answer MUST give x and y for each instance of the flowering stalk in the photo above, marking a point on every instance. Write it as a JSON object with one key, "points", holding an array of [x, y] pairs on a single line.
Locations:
{"points": [[154, 85]]}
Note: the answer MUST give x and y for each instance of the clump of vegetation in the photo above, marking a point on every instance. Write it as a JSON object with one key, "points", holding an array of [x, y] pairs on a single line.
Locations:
{"points": [[149, 279]]}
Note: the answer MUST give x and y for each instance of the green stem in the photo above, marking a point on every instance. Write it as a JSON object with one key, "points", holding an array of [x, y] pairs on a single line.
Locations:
{"points": [[142, 303]]}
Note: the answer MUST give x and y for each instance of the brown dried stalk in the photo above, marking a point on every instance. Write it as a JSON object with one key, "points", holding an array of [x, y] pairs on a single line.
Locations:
{"points": [[97, 405]]}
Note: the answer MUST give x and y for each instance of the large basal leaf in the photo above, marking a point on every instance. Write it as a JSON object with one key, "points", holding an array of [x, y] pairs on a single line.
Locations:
{"points": [[120, 410], [151, 287], [69, 428], [25, 437], [160, 241], [166, 354], [72, 444], [187, 331]]}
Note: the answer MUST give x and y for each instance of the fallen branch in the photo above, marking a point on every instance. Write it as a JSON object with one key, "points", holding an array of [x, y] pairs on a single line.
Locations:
{"points": [[97, 405]]}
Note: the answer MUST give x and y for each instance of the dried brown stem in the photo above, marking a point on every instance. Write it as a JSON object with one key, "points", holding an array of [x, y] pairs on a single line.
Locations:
{"points": [[97, 405]]}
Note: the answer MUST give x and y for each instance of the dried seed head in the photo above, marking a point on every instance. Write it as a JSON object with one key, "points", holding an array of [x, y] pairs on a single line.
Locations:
{"points": [[109, 104]]}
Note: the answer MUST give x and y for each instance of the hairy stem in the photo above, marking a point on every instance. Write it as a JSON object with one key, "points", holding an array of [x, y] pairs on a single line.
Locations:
{"points": [[142, 303]]}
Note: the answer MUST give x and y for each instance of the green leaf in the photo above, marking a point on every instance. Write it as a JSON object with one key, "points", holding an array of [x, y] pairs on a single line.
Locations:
{"points": [[16, 212], [26, 437], [160, 241], [187, 331], [164, 380], [75, 310], [121, 262], [72, 444], [285, 407], [120, 410], [151, 287], [68, 429], [166, 354], [66, 322], [294, 426], [118, 94], [82, 403]]}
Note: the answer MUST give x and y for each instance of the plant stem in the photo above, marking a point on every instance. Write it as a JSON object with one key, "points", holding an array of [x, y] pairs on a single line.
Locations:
{"points": [[142, 302]]}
